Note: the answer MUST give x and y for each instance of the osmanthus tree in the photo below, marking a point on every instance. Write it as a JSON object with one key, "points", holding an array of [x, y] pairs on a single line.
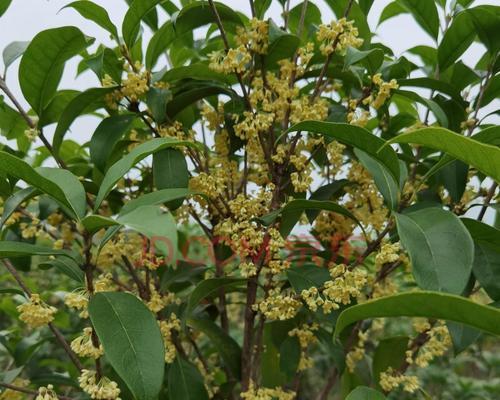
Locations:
{"points": [[261, 204]]}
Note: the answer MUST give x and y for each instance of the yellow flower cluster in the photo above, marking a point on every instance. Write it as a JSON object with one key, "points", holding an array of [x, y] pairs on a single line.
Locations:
{"points": [[35, 312], [124, 243], [345, 284], [391, 379], [31, 134], [253, 124], [388, 254], [159, 301], [79, 300], [46, 393], [358, 352], [332, 227], [167, 328], [136, 84], [278, 306], [439, 341], [304, 109], [236, 60], [306, 337], [383, 90], [256, 37], [277, 393], [105, 389], [248, 269], [335, 154], [84, 347], [30, 230], [337, 36]]}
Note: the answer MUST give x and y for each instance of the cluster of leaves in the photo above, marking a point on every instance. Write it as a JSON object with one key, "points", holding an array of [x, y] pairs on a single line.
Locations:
{"points": [[431, 154]]}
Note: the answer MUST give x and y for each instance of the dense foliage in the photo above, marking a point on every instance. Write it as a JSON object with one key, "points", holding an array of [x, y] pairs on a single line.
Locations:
{"points": [[269, 208]]}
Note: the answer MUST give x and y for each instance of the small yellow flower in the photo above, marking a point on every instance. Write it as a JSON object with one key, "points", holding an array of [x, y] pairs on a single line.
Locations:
{"points": [[46, 393], [35, 312], [105, 389]]}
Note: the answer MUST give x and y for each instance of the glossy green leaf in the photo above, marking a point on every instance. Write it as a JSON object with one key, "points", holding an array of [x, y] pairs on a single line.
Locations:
{"points": [[13, 51], [303, 277], [354, 136], [290, 353], [462, 336], [93, 223], [170, 171], [371, 59], [60, 184], [75, 108], [132, 341], [197, 71], [160, 227], [67, 266], [393, 9], [15, 201], [185, 381], [226, 346], [10, 249], [107, 134], [292, 211], [486, 20], [484, 157], [120, 168], [154, 198], [95, 13], [281, 45], [209, 288], [440, 247], [456, 40], [385, 182], [43, 61], [56, 106], [424, 304], [132, 20], [430, 104], [486, 266], [425, 13], [365, 393], [4, 5]]}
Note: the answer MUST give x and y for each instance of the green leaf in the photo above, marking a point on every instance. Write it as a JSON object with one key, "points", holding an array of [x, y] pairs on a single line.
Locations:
{"points": [[303, 277], [365, 393], [371, 59], [170, 171], [486, 20], [433, 84], [132, 341], [95, 13], [430, 104], [391, 10], [157, 225], [424, 304], [209, 288], [484, 157], [15, 201], [153, 198], [290, 353], [185, 381], [456, 40], [491, 92], [13, 51], [462, 336], [486, 266], [75, 108], [67, 266], [354, 136], [107, 134], [4, 5], [226, 346], [56, 106], [132, 20], [93, 223], [12, 291], [73, 189], [10, 249], [390, 352], [440, 248], [42, 64], [383, 179], [282, 45], [196, 71], [291, 212], [157, 99], [425, 13], [120, 168], [60, 184]]}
